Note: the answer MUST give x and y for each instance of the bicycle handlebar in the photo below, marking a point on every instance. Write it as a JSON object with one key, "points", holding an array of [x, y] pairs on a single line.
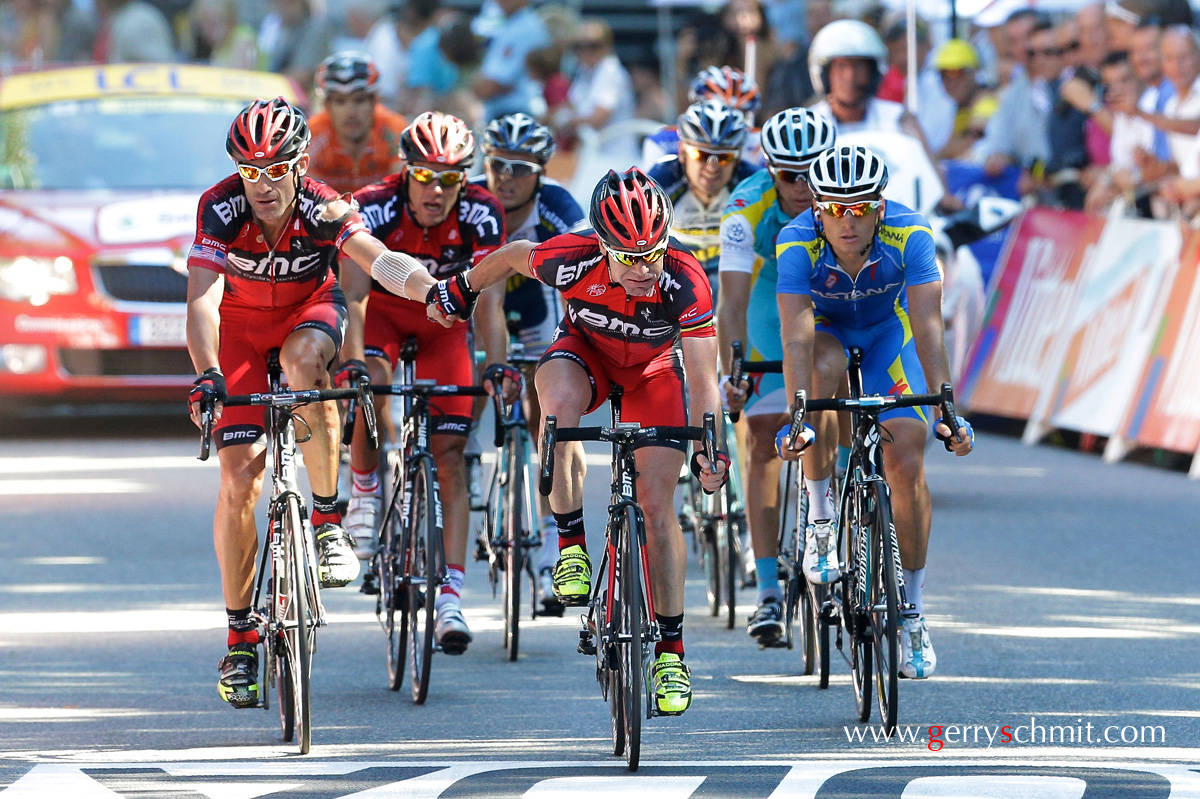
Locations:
{"points": [[741, 367], [627, 433], [875, 404], [428, 388]]}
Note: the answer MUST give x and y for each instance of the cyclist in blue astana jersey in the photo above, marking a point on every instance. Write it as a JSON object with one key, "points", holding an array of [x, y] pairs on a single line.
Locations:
{"points": [[757, 211], [857, 270], [700, 177], [516, 148]]}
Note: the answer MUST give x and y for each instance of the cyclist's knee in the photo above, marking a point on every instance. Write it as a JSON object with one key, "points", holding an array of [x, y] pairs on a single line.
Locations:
{"points": [[380, 371], [304, 360], [761, 440], [448, 451]]}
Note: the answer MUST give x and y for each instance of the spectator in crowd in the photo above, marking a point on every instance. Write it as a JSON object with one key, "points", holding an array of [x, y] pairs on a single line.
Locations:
{"points": [[217, 36], [895, 38], [1124, 17], [355, 140], [1181, 117], [293, 40], [387, 44], [788, 84], [745, 20], [503, 83], [601, 94], [1066, 126], [647, 87], [1017, 30], [430, 74], [358, 19], [545, 67], [1016, 133], [1145, 57], [132, 31], [1130, 134], [956, 63], [1091, 34], [29, 31], [709, 39]]}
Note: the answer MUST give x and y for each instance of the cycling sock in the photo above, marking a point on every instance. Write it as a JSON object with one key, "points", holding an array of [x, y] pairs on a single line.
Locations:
{"points": [[365, 483], [767, 571], [843, 460], [243, 629], [570, 529], [914, 585], [671, 628], [820, 499], [325, 511], [451, 591], [548, 554]]}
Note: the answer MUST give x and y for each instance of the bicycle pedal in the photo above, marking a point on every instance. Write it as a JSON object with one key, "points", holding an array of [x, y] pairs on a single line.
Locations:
{"points": [[370, 584], [587, 646]]}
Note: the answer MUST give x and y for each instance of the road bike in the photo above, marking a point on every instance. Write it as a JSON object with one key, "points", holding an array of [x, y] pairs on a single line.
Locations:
{"points": [[287, 602], [870, 598], [619, 627], [410, 564]]}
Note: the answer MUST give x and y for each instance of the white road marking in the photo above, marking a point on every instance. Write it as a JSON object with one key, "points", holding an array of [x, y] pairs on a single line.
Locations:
{"points": [[604, 787], [995, 787], [60, 464], [59, 487], [67, 560], [977, 470]]}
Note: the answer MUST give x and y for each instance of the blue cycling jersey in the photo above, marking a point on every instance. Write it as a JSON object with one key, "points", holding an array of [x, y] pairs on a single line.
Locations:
{"points": [[902, 255]]}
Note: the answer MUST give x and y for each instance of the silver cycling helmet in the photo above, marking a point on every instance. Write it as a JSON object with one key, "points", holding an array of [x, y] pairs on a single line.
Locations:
{"points": [[795, 137], [847, 173], [711, 123], [519, 133], [846, 38]]}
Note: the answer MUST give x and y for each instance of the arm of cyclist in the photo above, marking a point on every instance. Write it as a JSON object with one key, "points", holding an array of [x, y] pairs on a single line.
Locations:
{"points": [[398, 272], [205, 289], [454, 299], [736, 270], [356, 285], [700, 365], [491, 331], [925, 317], [798, 331]]}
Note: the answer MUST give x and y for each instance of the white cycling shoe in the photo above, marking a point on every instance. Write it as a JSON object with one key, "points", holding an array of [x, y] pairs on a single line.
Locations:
{"points": [[917, 658], [450, 630], [820, 553], [361, 518]]}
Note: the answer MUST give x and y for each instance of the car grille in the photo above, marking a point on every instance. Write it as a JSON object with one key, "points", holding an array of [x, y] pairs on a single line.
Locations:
{"points": [[142, 283], [123, 363]]}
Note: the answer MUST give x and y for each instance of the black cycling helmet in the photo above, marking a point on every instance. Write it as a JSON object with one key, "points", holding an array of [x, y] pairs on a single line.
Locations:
{"points": [[268, 129], [519, 133], [347, 72]]}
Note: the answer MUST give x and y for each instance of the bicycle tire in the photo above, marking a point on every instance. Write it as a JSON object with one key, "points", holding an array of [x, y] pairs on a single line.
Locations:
{"points": [[616, 709], [734, 524], [274, 648], [514, 538], [633, 629], [424, 536], [710, 560], [885, 606], [393, 593], [857, 618], [298, 631]]}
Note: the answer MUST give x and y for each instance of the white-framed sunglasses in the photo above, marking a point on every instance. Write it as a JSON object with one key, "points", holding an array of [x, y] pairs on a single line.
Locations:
{"points": [[276, 171]]}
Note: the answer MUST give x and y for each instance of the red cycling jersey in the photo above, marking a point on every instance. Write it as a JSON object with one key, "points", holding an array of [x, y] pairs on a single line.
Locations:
{"points": [[625, 330], [474, 228], [258, 275]]}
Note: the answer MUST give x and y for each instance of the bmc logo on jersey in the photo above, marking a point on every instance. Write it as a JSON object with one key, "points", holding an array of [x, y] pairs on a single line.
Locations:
{"points": [[615, 324], [377, 215], [481, 217], [282, 268], [595, 290]]}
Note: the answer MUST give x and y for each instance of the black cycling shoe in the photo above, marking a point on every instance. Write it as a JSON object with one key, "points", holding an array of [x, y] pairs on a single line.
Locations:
{"points": [[239, 676], [766, 625]]}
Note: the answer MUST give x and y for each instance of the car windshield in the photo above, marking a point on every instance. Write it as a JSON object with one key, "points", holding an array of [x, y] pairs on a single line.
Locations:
{"points": [[128, 143]]}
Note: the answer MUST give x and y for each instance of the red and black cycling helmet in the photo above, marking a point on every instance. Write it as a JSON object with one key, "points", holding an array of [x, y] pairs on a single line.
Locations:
{"points": [[438, 138], [346, 73], [630, 211], [268, 129]]}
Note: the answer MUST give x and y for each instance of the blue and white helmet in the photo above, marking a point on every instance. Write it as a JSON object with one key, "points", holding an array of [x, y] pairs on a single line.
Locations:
{"points": [[711, 123], [795, 137], [519, 133], [847, 173]]}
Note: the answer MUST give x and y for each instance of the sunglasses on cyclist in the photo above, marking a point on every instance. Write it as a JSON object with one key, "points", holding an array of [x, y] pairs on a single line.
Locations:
{"points": [[838, 210], [425, 176], [506, 166], [789, 175], [717, 157], [632, 258], [276, 171]]}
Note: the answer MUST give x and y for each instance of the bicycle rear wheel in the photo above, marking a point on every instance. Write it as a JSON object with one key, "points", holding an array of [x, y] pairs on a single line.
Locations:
{"points": [[424, 574], [884, 604], [297, 623], [855, 608], [734, 524], [391, 566], [514, 537], [631, 639], [274, 647]]}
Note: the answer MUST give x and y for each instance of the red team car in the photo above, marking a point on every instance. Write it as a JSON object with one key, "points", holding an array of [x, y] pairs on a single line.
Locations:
{"points": [[101, 170]]}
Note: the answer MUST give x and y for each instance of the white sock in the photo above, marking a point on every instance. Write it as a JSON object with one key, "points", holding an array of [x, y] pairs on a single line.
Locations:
{"points": [[914, 583], [820, 499], [365, 485], [548, 554]]}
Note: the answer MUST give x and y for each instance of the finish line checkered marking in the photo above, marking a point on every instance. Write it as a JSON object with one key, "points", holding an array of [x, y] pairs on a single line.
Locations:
{"points": [[549, 780]]}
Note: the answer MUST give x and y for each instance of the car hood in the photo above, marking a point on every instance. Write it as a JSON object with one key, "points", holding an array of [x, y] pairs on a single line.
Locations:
{"points": [[103, 219]]}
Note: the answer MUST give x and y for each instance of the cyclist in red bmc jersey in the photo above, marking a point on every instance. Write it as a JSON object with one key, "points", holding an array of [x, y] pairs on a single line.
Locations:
{"points": [[432, 213], [260, 278], [639, 312]]}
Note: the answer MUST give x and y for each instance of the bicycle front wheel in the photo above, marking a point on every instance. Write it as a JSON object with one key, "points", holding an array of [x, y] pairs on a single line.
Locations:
{"points": [[390, 564], [298, 628], [514, 544], [884, 604], [633, 634], [424, 574], [734, 523]]}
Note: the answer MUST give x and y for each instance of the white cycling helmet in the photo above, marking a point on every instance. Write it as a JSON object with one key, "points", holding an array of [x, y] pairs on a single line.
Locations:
{"points": [[845, 38], [794, 137], [847, 173]]}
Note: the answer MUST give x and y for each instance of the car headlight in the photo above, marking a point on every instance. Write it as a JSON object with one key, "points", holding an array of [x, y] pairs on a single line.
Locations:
{"points": [[36, 279]]}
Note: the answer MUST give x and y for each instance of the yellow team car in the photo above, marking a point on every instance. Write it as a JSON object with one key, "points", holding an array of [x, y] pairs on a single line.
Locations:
{"points": [[101, 168]]}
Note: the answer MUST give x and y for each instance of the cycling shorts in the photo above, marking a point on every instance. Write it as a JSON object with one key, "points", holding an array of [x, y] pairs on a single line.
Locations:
{"points": [[248, 334], [443, 354], [653, 391], [767, 393], [890, 364]]}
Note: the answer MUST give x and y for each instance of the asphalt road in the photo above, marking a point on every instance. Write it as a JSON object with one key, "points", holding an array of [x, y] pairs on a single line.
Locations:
{"points": [[1061, 593]]}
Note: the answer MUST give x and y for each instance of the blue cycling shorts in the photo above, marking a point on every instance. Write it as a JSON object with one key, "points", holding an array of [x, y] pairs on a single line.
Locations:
{"points": [[890, 364]]}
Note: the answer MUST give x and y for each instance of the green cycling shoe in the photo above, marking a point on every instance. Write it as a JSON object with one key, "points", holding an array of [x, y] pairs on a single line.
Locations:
{"points": [[672, 682], [573, 576]]}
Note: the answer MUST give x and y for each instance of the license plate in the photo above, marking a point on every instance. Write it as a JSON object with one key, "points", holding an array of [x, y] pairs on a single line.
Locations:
{"points": [[151, 330]]}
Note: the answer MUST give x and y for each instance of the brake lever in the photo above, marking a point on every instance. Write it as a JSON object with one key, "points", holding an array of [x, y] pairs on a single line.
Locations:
{"points": [[949, 417], [206, 425], [549, 433], [798, 410], [366, 400], [498, 405], [735, 376]]}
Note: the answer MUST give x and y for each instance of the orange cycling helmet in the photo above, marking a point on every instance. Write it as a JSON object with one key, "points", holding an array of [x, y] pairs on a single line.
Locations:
{"points": [[268, 129], [730, 85], [630, 211], [438, 138]]}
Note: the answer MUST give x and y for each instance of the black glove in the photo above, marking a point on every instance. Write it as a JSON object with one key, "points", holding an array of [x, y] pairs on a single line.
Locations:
{"points": [[454, 297], [498, 371], [349, 372], [211, 383], [721, 457]]}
